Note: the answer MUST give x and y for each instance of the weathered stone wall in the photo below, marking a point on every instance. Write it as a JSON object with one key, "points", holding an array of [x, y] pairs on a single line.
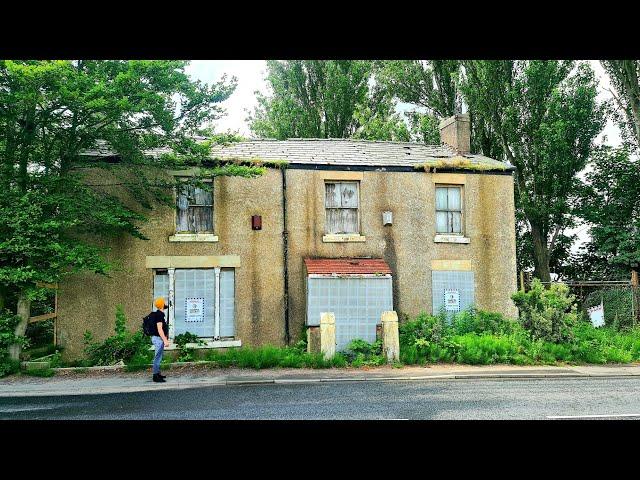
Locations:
{"points": [[87, 302]]}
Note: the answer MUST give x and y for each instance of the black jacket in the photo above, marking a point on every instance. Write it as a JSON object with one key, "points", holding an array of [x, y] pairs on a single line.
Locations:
{"points": [[158, 316]]}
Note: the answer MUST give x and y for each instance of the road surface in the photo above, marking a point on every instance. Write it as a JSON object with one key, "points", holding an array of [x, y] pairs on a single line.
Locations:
{"points": [[543, 398]]}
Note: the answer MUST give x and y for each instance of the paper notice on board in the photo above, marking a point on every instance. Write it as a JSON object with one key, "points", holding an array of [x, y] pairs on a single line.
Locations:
{"points": [[194, 309], [452, 300]]}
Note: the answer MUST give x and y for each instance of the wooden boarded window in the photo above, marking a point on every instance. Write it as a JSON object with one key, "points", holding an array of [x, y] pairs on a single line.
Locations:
{"points": [[341, 206], [194, 212], [449, 210]]}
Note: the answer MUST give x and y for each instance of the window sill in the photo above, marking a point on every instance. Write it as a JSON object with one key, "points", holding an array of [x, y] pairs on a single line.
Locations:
{"points": [[342, 238], [208, 344], [193, 237], [450, 239]]}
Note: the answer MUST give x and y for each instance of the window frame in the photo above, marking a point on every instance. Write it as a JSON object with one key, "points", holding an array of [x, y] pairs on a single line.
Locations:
{"points": [[189, 205], [460, 188], [357, 209]]}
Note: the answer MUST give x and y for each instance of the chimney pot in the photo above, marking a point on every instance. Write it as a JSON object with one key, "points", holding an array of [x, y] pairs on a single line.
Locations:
{"points": [[455, 131]]}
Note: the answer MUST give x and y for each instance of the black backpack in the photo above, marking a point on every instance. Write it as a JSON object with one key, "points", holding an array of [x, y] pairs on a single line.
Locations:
{"points": [[148, 326]]}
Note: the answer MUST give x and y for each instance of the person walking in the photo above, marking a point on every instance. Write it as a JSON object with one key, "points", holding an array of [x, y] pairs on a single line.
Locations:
{"points": [[160, 331]]}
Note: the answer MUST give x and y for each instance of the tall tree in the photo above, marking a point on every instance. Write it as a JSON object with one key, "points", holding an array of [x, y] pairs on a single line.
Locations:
{"points": [[432, 89], [324, 99], [625, 79], [545, 116], [54, 200], [611, 205]]}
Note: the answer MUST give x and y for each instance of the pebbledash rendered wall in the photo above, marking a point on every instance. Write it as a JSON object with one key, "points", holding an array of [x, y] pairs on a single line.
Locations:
{"points": [[88, 302]]}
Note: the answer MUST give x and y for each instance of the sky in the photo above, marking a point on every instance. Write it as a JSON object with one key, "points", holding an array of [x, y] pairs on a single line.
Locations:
{"points": [[251, 77]]}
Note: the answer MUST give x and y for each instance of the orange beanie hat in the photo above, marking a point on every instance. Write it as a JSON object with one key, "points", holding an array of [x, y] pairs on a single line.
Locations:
{"points": [[160, 303]]}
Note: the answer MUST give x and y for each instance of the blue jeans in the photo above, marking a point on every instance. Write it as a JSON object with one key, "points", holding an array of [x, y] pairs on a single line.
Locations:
{"points": [[159, 346]]}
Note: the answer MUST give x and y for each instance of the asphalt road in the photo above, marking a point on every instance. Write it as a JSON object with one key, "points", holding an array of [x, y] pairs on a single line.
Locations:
{"points": [[582, 398]]}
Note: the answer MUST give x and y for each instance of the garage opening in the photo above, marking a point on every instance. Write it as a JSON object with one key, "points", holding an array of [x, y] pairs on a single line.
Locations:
{"points": [[356, 290]]}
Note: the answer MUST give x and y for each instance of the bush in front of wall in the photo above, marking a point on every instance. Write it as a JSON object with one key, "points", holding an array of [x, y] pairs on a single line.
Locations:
{"points": [[361, 353], [186, 353], [547, 313], [123, 346]]}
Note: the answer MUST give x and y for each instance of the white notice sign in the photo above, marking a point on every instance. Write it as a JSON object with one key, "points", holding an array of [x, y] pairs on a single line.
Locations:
{"points": [[596, 315], [452, 300], [194, 309]]}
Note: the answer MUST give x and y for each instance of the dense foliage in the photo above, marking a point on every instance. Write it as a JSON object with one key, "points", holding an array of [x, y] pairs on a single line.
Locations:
{"points": [[545, 115], [611, 205], [482, 338], [325, 99], [625, 79], [547, 313], [58, 202]]}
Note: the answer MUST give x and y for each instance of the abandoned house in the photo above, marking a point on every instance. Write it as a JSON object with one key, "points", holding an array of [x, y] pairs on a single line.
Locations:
{"points": [[346, 226]]}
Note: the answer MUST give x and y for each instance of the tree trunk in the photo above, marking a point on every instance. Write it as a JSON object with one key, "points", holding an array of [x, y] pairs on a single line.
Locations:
{"points": [[540, 255], [24, 312]]}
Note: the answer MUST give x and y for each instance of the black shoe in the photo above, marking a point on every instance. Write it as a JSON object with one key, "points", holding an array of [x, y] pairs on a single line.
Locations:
{"points": [[158, 379], [162, 376]]}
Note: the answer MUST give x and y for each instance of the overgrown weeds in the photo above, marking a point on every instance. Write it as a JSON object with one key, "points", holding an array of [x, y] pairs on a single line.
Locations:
{"points": [[124, 346]]}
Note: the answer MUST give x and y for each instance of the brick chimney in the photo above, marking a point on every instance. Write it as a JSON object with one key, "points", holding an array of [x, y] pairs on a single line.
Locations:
{"points": [[455, 131]]}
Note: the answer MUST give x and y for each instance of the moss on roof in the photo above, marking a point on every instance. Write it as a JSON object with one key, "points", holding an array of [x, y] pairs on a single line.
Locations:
{"points": [[459, 163]]}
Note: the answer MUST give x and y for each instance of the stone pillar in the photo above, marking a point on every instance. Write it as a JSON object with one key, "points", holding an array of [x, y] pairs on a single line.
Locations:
{"points": [[328, 334], [313, 339], [390, 336]]}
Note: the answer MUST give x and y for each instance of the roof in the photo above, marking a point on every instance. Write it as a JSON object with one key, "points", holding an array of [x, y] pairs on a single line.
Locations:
{"points": [[344, 152], [355, 266], [349, 152]]}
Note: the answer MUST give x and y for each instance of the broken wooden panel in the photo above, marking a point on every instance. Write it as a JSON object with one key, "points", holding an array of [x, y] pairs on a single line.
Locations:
{"points": [[349, 194], [201, 197], [332, 197], [350, 220], [194, 212], [334, 220], [342, 220]]}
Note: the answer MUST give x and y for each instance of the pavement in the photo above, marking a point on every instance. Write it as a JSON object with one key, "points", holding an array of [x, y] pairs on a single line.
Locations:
{"points": [[112, 380]]}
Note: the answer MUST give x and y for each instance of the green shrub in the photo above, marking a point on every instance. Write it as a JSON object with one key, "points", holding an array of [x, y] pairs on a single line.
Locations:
{"points": [[362, 353], [186, 354], [123, 346], [481, 322], [425, 327], [8, 324], [547, 314]]}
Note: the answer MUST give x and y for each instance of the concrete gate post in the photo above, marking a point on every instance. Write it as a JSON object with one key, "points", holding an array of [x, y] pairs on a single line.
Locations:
{"points": [[390, 336], [328, 334]]}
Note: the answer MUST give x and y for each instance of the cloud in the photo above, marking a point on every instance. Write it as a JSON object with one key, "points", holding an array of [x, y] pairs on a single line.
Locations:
{"points": [[250, 75]]}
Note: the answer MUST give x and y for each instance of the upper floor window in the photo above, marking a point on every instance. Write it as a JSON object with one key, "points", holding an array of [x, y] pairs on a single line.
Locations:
{"points": [[449, 209], [194, 212], [341, 206]]}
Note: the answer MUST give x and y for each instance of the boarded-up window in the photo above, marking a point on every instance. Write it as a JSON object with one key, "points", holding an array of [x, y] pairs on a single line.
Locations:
{"points": [[341, 205], [448, 210], [194, 210]]}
